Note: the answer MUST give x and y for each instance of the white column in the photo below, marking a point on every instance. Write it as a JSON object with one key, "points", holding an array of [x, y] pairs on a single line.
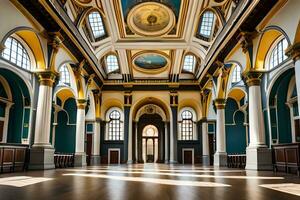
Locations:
{"points": [[43, 115], [205, 144], [220, 157], [259, 157], [80, 155], [221, 140], [42, 153], [80, 128], [136, 142], [96, 139], [166, 143], [172, 158], [297, 77], [6, 121], [155, 150], [256, 120]]}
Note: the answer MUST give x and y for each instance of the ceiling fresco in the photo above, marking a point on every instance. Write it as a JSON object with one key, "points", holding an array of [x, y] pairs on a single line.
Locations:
{"points": [[151, 19], [127, 5], [150, 61]]}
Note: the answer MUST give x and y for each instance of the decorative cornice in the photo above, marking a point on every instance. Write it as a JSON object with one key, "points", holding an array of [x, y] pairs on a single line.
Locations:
{"points": [[293, 51], [253, 78], [220, 103], [47, 77]]}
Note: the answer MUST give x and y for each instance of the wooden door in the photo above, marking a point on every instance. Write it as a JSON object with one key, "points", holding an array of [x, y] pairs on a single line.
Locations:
{"points": [[89, 144], [211, 148], [297, 130], [1, 130], [114, 157], [188, 156]]}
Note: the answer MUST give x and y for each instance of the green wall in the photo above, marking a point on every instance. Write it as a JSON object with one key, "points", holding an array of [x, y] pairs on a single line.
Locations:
{"points": [[235, 130], [65, 133]]}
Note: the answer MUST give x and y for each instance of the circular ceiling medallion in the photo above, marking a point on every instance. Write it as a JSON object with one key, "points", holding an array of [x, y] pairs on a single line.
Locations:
{"points": [[151, 62], [151, 19]]}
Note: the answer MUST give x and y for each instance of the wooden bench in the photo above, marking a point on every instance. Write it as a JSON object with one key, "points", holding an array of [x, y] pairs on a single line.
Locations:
{"points": [[63, 160], [286, 158], [236, 161], [13, 157]]}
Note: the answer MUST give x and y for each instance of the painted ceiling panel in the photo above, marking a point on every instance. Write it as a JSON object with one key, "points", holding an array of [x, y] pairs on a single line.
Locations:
{"points": [[127, 5]]}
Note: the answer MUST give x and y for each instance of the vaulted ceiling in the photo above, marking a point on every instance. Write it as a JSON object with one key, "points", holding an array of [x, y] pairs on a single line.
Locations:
{"points": [[150, 42], [151, 38]]}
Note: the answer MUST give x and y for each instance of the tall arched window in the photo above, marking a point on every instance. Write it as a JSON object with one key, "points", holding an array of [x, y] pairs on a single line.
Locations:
{"points": [[187, 125], [236, 75], [206, 24], [114, 126], [112, 63], [64, 75], [96, 24], [16, 53], [278, 53], [189, 63]]}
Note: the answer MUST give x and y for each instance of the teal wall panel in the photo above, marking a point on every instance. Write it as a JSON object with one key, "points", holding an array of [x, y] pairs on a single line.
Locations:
{"points": [[235, 129]]}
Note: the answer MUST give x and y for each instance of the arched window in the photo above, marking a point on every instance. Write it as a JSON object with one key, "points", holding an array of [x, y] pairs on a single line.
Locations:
{"points": [[187, 125], [16, 53], [278, 55], [206, 24], [189, 63], [236, 75], [96, 24], [114, 126], [112, 63], [64, 75]]}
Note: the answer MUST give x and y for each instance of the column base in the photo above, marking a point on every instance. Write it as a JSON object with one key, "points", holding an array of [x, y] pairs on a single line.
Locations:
{"points": [[173, 162], [258, 158], [205, 160], [80, 160], [166, 162], [41, 158], [129, 161], [220, 159], [95, 160]]}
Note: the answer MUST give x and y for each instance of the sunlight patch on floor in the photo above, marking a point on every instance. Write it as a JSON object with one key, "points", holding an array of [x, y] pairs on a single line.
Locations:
{"points": [[178, 174], [22, 181], [152, 180], [290, 188]]}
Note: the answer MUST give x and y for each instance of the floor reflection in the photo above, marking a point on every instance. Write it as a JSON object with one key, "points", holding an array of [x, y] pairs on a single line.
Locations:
{"points": [[177, 174], [152, 180]]}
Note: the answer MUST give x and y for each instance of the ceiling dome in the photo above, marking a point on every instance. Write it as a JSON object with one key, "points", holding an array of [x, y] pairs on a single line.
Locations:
{"points": [[151, 19]]}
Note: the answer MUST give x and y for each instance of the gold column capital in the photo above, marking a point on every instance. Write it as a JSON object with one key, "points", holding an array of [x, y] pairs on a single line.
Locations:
{"points": [[81, 103], [293, 51], [47, 77], [253, 78], [220, 103]]}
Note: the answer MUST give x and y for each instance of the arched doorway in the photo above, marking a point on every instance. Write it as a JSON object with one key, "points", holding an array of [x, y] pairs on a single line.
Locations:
{"points": [[150, 144]]}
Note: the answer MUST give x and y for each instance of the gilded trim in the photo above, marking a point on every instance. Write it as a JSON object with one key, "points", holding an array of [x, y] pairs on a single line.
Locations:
{"points": [[81, 103], [294, 51], [47, 78], [220, 103], [253, 78]]}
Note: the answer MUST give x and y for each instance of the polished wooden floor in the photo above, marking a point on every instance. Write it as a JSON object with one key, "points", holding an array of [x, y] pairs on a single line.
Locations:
{"points": [[149, 181]]}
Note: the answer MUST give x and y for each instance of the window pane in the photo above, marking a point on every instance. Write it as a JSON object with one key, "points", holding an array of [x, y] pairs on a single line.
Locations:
{"points": [[64, 75], [16, 53], [236, 76], [278, 53], [206, 24], [114, 126], [189, 63], [96, 23], [112, 63]]}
